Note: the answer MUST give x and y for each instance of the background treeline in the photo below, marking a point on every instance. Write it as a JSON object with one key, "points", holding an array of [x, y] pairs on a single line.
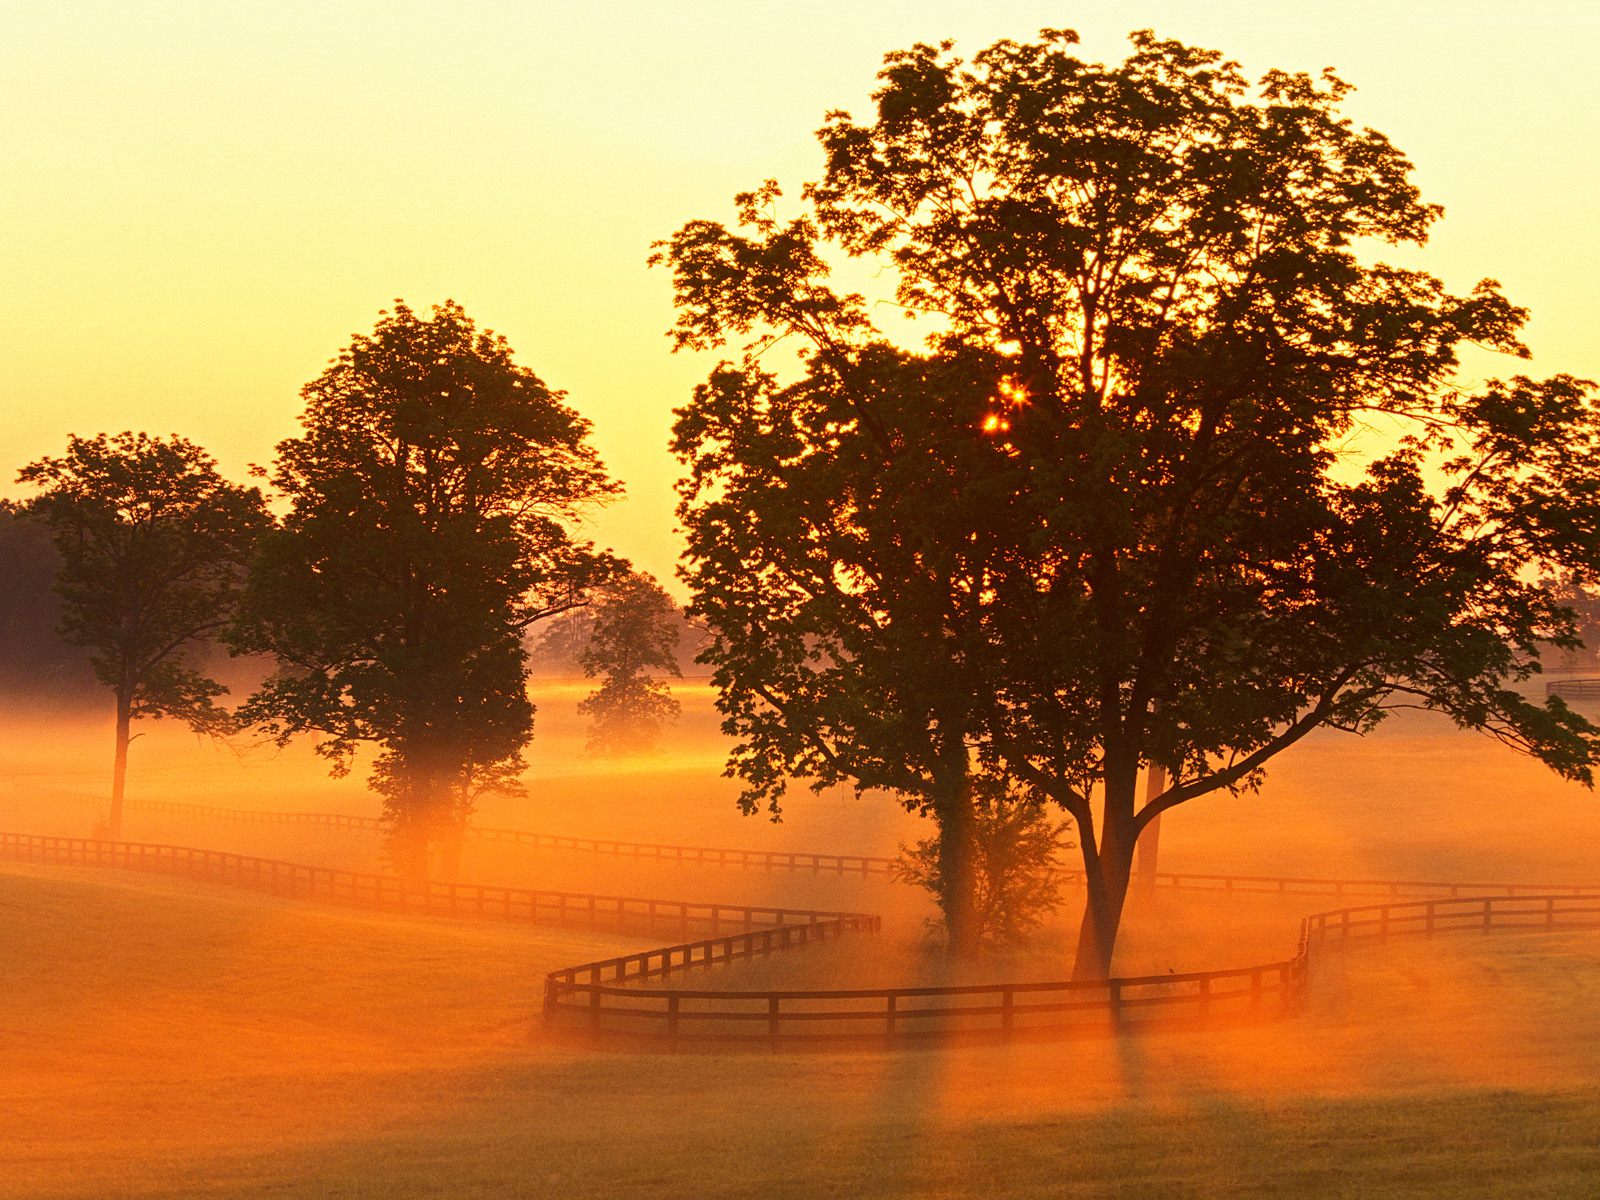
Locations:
{"points": [[37, 662]]}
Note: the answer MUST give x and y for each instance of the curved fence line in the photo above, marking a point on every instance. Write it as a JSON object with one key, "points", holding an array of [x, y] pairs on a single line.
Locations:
{"points": [[594, 997], [390, 894], [676, 1016]]}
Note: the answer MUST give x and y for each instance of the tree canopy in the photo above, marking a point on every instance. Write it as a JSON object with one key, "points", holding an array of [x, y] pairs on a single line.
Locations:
{"points": [[1182, 471], [153, 545], [433, 500]]}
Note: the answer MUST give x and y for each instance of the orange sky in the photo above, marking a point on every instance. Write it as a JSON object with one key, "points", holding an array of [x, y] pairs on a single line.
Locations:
{"points": [[202, 202]]}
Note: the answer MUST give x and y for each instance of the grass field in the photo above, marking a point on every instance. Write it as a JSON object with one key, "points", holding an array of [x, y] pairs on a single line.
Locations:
{"points": [[165, 1039]]}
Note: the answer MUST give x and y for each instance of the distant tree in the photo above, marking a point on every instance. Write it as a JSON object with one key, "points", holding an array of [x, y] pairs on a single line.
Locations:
{"points": [[432, 501], [556, 645], [1018, 855], [635, 632], [1583, 601], [560, 643], [1159, 275], [153, 545]]}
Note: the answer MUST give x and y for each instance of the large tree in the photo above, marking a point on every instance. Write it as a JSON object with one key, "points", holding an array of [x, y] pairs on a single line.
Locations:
{"points": [[433, 500], [152, 545], [838, 531], [1238, 486]]}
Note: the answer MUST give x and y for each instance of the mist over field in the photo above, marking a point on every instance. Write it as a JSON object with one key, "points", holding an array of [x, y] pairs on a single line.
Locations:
{"points": [[902, 601], [165, 1037]]}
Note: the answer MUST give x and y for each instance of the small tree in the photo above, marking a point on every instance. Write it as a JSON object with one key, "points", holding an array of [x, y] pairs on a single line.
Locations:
{"points": [[432, 499], [153, 545], [635, 631], [1018, 856]]}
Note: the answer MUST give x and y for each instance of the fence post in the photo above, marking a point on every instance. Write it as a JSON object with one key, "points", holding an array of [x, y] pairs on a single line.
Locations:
{"points": [[1488, 907], [772, 1018], [889, 1016], [1007, 1004]]}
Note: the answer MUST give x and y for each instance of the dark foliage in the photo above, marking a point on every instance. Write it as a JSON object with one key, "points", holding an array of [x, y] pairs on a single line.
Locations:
{"points": [[152, 545], [432, 501], [1018, 855], [1119, 510]]}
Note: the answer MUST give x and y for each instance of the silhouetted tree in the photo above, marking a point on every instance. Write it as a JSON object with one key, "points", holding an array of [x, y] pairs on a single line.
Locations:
{"points": [[634, 633], [1174, 556], [153, 545], [432, 499], [559, 645], [837, 530]]}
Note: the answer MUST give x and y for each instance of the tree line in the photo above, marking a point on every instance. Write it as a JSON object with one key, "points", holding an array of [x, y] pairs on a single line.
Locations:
{"points": [[1105, 541]]}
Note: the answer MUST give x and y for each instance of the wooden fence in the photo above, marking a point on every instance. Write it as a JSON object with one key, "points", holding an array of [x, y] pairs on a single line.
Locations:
{"points": [[390, 894], [596, 999], [860, 864], [1573, 689], [715, 856], [591, 998]]}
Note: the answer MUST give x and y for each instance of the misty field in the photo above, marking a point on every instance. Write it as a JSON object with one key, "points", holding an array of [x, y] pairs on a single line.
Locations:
{"points": [[165, 1038]]}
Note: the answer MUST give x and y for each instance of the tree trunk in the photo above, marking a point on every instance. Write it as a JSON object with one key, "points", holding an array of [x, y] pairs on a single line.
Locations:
{"points": [[1108, 868], [413, 809], [452, 836], [408, 849], [958, 857], [119, 764], [1150, 839]]}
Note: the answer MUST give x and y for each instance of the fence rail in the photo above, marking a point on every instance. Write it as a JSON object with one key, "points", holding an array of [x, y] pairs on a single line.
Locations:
{"points": [[585, 998], [1573, 689], [860, 864], [389, 893], [596, 998], [717, 856]]}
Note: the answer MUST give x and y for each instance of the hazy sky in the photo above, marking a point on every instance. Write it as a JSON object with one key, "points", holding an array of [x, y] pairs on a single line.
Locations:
{"points": [[201, 202]]}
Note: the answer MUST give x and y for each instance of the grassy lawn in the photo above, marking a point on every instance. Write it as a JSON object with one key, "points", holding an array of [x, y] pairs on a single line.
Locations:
{"points": [[167, 1039]]}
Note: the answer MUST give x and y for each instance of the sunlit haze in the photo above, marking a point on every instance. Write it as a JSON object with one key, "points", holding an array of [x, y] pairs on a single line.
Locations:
{"points": [[203, 202], [865, 900]]}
